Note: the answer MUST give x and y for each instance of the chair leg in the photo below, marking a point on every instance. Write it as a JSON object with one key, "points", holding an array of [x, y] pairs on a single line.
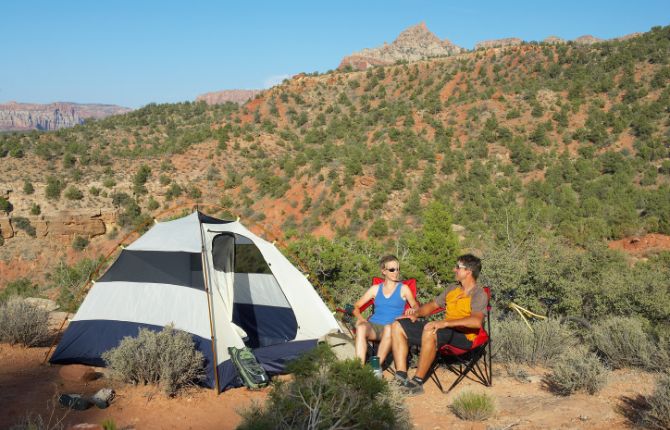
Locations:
{"points": [[476, 364], [433, 374]]}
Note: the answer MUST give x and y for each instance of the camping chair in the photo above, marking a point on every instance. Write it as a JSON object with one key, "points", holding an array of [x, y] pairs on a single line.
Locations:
{"points": [[372, 345], [473, 363]]}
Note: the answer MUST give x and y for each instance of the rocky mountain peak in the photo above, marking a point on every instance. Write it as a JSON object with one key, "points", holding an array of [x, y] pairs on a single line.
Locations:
{"points": [[413, 44]]}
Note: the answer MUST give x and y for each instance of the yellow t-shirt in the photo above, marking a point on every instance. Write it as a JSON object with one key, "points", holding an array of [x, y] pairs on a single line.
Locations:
{"points": [[458, 305]]}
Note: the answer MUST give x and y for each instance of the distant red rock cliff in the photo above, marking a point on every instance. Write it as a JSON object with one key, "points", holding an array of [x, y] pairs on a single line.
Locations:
{"points": [[31, 116], [235, 96]]}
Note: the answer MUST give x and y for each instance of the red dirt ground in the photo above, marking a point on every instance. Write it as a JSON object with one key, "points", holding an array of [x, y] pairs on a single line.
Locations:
{"points": [[642, 245], [28, 386]]}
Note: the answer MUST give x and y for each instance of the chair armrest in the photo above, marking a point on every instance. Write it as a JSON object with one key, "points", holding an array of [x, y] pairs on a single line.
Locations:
{"points": [[436, 311]]}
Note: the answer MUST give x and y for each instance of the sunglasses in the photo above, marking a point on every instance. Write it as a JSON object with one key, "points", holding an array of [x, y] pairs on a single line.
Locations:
{"points": [[392, 269], [460, 266]]}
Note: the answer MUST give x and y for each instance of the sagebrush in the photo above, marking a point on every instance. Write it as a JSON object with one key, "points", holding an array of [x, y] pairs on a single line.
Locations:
{"points": [[657, 414], [514, 342], [624, 342], [577, 370], [22, 322], [326, 394], [167, 358]]}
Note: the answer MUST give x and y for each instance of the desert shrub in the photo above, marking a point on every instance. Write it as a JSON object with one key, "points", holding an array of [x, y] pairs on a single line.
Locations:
{"points": [[28, 187], [22, 287], [22, 322], [514, 342], [656, 414], [73, 193], [623, 342], [108, 182], [152, 204], [473, 406], [25, 225], [326, 393], [80, 243], [5, 205], [35, 209], [577, 370], [54, 188], [167, 358], [70, 280]]}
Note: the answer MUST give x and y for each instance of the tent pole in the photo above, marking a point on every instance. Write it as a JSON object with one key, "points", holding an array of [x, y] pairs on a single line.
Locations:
{"points": [[205, 273]]}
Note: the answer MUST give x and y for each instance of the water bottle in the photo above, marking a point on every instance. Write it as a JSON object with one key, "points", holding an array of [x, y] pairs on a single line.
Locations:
{"points": [[376, 367]]}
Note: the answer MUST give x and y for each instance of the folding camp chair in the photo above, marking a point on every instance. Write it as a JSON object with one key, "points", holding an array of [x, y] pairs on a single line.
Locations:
{"points": [[372, 345], [473, 363]]}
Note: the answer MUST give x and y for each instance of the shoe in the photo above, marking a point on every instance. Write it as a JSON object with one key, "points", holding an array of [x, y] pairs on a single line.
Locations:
{"points": [[411, 388], [74, 401], [400, 380], [103, 398]]}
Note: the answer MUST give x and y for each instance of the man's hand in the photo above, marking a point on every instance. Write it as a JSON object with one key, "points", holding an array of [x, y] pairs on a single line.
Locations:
{"points": [[411, 317], [411, 311], [434, 326]]}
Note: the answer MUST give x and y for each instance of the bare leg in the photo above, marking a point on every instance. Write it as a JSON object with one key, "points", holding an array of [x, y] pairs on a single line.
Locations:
{"points": [[384, 344], [400, 347], [364, 332], [427, 353]]}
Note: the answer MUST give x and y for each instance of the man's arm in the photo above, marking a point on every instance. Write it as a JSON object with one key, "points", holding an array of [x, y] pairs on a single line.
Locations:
{"points": [[423, 311], [473, 321]]}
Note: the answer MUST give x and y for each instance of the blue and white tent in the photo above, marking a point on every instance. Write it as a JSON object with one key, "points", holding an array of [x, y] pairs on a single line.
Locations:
{"points": [[248, 294]]}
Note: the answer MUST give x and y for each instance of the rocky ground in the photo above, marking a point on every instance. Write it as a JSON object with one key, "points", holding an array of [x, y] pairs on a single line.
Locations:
{"points": [[28, 386]]}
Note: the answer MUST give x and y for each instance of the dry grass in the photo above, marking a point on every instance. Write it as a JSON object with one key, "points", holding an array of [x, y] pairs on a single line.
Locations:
{"points": [[471, 406]]}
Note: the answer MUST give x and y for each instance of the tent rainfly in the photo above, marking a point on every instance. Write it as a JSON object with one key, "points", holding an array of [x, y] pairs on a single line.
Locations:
{"points": [[248, 294]]}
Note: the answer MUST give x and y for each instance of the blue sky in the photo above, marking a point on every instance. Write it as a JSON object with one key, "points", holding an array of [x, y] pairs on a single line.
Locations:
{"points": [[132, 53]]}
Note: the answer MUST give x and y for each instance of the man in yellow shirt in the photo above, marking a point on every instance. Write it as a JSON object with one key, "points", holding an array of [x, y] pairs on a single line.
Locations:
{"points": [[465, 306]]}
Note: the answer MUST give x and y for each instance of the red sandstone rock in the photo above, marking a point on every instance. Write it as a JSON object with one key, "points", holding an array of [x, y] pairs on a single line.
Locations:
{"points": [[235, 96], [54, 116]]}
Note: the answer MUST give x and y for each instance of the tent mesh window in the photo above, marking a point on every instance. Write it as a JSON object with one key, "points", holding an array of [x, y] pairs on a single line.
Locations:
{"points": [[259, 304]]}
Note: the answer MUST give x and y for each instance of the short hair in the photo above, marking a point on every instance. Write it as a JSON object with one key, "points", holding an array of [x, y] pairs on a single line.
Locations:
{"points": [[387, 259], [472, 263]]}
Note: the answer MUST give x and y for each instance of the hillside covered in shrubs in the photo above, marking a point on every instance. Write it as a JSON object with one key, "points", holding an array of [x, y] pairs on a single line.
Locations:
{"points": [[539, 153]]}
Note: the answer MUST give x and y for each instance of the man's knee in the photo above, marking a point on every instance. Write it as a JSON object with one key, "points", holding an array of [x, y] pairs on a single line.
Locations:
{"points": [[428, 338]]}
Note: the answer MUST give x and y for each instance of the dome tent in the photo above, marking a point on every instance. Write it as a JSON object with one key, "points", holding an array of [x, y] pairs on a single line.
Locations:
{"points": [[211, 278]]}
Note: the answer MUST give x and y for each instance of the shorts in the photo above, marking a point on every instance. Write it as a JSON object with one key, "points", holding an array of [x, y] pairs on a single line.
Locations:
{"points": [[445, 336], [378, 329]]}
